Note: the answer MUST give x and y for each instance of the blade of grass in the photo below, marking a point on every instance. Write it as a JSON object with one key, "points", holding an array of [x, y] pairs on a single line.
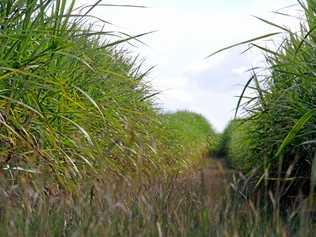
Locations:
{"points": [[273, 24], [81, 129], [243, 43], [242, 95], [125, 40], [91, 100], [296, 128]]}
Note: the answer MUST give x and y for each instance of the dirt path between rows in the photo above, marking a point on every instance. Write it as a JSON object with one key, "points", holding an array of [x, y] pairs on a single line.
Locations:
{"points": [[212, 179]]}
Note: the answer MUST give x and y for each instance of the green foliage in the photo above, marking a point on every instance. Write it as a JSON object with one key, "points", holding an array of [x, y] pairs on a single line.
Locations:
{"points": [[68, 102], [235, 144], [225, 139], [72, 105], [190, 135], [278, 136], [76, 113]]}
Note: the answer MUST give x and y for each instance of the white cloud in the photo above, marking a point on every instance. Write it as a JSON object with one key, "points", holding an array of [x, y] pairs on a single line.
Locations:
{"points": [[185, 36]]}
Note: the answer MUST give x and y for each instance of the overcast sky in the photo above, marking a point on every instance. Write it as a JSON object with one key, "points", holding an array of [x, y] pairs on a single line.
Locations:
{"points": [[188, 31]]}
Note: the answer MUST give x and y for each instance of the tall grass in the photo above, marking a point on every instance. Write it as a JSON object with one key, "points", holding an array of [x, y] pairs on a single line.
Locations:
{"points": [[72, 104], [234, 144], [190, 136], [83, 150], [277, 137]]}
